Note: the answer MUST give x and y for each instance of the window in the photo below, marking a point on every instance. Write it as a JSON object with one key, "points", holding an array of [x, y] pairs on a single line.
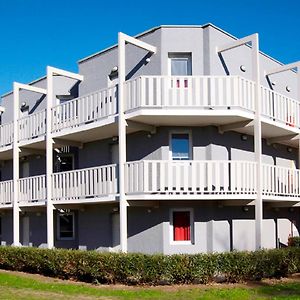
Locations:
{"points": [[180, 65], [180, 146], [64, 162], [181, 226], [66, 227]]}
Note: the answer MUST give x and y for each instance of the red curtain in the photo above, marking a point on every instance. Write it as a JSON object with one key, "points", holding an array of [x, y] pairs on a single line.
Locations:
{"points": [[181, 226]]}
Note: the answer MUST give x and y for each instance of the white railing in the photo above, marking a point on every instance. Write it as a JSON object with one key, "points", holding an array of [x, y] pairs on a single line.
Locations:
{"points": [[85, 109], [190, 91], [190, 177], [32, 189], [6, 192], [6, 134], [280, 108], [85, 183], [280, 181], [32, 126]]}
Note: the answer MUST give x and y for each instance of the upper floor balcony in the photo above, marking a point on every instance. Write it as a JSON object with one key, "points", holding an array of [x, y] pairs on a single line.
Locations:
{"points": [[158, 101], [159, 180]]}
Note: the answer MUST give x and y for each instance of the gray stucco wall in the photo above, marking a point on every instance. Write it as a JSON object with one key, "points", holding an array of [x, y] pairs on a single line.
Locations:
{"points": [[37, 228], [216, 227], [97, 69], [234, 58], [6, 226]]}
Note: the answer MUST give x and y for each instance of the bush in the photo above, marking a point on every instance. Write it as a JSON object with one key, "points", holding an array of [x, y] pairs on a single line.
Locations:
{"points": [[133, 269], [294, 241]]}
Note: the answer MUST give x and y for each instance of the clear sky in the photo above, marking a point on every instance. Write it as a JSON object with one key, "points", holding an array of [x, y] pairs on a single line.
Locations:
{"points": [[37, 33]]}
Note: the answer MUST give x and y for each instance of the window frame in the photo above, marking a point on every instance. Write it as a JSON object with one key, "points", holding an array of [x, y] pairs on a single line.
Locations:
{"points": [[180, 55], [189, 133], [59, 237], [171, 226]]}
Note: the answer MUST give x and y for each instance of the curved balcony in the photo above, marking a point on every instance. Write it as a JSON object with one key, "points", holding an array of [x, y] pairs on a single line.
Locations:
{"points": [[191, 179], [209, 179], [160, 180], [159, 101]]}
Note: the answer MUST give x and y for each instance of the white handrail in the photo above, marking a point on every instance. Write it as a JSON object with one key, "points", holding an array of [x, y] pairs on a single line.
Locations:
{"points": [[6, 134], [85, 183], [190, 91], [280, 108], [6, 192], [191, 177], [32, 126], [85, 109], [32, 189], [280, 181]]}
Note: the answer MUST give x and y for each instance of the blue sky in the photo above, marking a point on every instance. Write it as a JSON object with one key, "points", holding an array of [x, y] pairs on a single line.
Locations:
{"points": [[37, 33]]}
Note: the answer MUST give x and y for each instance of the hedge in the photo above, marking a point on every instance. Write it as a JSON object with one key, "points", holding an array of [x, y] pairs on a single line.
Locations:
{"points": [[294, 241], [110, 268]]}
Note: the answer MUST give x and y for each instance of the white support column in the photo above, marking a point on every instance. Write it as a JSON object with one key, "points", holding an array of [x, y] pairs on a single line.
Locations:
{"points": [[16, 168], [122, 143], [257, 143], [122, 40], [49, 160], [253, 39], [299, 154]]}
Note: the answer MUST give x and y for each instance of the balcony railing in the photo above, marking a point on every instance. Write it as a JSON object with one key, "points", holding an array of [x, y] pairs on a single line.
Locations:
{"points": [[280, 108], [32, 126], [190, 177], [281, 181], [32, 189], [6, 134], [209, 179], [85, 183], [194, 92], [190, 92], [6, 192], [85, 109]]}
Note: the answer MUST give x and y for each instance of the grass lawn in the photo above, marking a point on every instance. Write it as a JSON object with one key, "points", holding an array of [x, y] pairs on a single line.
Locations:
{"points": [[14, 285]]}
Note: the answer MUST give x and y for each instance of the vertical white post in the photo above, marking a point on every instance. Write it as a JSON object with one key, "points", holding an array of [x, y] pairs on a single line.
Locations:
{"points": [[16, 167], [299, 154], [257, 143], [122, 143], [49, 159]]}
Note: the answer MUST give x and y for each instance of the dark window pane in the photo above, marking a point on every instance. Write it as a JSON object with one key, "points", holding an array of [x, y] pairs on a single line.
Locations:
{"points": [[66, 226]]}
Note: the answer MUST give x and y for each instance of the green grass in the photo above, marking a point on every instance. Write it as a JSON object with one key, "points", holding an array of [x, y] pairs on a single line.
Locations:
{"points": [[18, 286]]}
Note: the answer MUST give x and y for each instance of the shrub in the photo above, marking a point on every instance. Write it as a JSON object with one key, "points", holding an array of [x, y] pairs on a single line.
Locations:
{"points": [[132, 269], [294, 241]]}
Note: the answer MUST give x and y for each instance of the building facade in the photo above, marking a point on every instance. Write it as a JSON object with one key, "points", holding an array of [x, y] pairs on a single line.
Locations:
{"points": [[183, 139]]}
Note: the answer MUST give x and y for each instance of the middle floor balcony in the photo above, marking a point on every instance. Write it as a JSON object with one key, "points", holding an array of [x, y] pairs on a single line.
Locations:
{"points": [[159, 180]]}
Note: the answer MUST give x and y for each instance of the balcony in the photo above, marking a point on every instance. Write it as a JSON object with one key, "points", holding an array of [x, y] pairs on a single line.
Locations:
{"points": [[88, 112], [209, 180], [32, 127], [190, 91], [159, 180], [85, 185], [191, 179], [159, 101]]}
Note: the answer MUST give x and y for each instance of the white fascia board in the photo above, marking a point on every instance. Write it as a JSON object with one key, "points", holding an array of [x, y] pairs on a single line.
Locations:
{"points": [[239, 42], [138, 43], [283, 68], [56, 71], [30, 88]]}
